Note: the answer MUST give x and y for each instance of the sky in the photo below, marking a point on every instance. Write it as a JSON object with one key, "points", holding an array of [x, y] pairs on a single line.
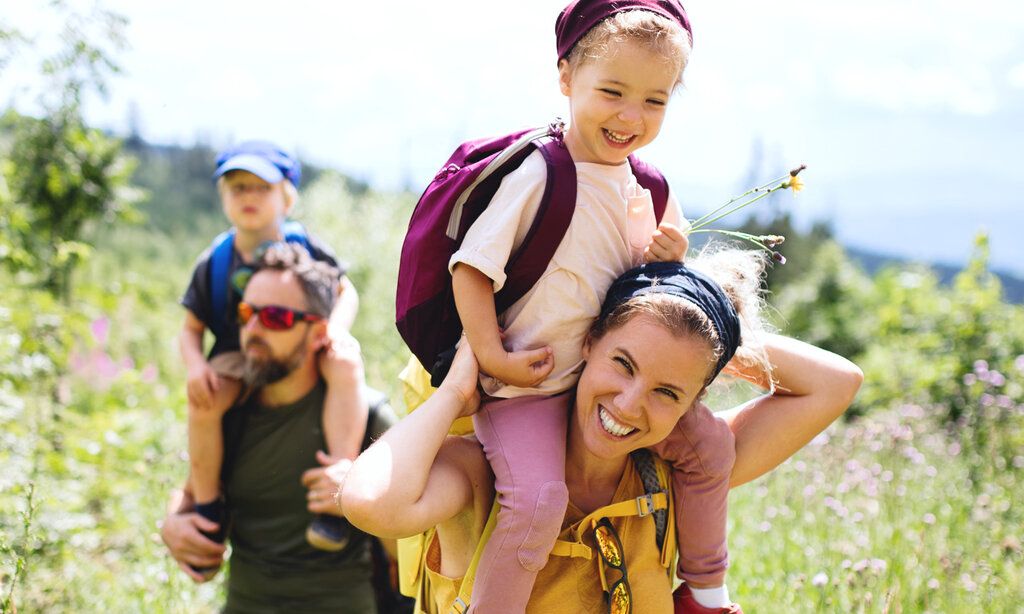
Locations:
{"points": [[909, 114]]}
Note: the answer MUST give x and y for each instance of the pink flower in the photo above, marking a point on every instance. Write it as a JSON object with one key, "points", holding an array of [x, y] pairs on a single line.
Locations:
{"points": [[100, 328]]}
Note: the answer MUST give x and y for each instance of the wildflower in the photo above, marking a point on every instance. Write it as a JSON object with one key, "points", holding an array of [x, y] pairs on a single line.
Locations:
{"points": [[980, 366], [929, 518], [996, 378], [777, 257], [795, 183], [819, 579], [970, 379], [1019, 363], [933, 584]]}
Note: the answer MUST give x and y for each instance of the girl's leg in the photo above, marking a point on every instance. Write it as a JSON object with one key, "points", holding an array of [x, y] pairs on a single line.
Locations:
{"points": [[702, 451], [524, 440]]}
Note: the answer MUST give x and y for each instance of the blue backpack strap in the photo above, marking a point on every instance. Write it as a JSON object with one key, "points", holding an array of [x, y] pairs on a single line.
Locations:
{"points": [[651, 178], [557, 205], [220, 263], [294, 232]]}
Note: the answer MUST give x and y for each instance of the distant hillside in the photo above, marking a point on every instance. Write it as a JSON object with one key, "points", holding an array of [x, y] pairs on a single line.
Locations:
{"points": [[1013, 287]]}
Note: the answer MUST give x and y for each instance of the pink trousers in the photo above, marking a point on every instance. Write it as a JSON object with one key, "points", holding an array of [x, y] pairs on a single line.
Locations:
{"points": [[524, 440]]}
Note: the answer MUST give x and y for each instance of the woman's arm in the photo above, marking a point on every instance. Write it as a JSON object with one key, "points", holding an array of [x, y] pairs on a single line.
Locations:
{"points": [[813, 388], [410, 480]]}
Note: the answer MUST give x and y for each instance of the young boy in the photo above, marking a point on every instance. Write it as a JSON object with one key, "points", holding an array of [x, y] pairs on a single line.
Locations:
{"points": [[257, 183]]}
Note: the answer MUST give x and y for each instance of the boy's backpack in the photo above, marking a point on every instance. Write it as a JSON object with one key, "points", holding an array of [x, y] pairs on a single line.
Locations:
{"points": [[221, 251], [424, 304]]}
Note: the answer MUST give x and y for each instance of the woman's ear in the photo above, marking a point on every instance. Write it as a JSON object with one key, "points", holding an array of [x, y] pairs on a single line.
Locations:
{"points": [[586, 341], [564, 77]]}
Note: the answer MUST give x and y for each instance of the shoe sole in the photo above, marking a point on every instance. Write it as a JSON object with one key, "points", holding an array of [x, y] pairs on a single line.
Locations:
{"points": [[320, 542]]}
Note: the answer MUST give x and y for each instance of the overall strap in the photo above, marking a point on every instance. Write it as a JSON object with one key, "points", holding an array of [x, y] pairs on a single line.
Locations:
{"points": [[461, 604]]}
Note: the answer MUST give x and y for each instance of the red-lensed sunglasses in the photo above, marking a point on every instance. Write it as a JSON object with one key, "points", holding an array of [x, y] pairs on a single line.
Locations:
{"points": [[274, 317]]}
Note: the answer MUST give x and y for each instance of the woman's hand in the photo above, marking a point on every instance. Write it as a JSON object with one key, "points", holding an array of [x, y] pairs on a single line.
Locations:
{"points": [[462, 379]]}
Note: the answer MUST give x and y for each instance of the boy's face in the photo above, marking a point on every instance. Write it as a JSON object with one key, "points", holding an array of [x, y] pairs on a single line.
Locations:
{"points": [[617, 102], [252, 204]]}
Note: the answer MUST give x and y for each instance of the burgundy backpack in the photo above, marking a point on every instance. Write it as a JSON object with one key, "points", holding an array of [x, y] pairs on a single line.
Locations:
{"points": [[424, 304]]}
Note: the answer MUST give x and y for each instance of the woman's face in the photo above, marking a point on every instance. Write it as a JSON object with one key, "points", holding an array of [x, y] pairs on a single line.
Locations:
{"points": [[638, 381]]}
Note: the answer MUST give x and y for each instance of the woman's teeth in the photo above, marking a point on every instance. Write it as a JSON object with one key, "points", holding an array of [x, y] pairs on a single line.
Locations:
{"points": [[618, 137], [611, 426]]}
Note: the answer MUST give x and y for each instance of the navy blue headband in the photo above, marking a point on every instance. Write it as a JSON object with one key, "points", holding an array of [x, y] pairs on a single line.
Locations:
{"points": [[673, 278]]}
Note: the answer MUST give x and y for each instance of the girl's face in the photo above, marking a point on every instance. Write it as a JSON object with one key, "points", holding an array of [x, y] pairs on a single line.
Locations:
{"points": [[617, 103], [252, 204], [639, 379]]}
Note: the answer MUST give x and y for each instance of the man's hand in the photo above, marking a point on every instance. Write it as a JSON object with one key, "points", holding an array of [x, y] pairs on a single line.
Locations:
{"points": [[203, 382], [668, 244], [190, 548], [324, 484]]}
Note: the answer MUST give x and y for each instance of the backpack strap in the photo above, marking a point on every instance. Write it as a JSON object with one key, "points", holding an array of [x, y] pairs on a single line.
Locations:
{"points": [[651, 178], [557, 205], [655, 501], [220, 263], [222, 250]]}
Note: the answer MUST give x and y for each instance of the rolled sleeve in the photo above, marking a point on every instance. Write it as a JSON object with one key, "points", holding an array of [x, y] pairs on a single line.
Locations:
{"points": [[503, 225]]}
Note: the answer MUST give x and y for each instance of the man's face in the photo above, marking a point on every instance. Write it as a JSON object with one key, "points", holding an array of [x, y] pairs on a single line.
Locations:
{"points": [[270, 355]]}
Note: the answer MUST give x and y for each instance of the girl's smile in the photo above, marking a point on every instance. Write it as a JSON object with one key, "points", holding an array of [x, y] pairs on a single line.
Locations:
{"points": [[617, 102]]}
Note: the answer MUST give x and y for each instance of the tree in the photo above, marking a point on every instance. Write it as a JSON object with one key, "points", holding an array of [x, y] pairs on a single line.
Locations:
{"points": [[57, 175]]}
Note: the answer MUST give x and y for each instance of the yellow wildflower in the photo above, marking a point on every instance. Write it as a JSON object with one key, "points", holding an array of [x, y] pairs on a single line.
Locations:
{"points": [[795, 183]]}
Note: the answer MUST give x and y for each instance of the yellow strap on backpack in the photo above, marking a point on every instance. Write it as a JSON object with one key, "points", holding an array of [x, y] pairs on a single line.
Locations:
{"points": [[416, 389]]}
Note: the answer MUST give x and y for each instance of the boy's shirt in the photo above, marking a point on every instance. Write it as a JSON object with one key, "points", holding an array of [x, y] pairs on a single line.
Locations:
{"points": [[198, 297]]}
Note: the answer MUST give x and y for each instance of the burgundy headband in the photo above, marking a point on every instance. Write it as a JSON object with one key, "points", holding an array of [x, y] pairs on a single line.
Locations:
{"points": [[581, 16]]}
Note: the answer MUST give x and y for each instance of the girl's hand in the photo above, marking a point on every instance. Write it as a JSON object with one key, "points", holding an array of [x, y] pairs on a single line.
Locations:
{"points": [[524, 368], [462, 379], [668, 244]]}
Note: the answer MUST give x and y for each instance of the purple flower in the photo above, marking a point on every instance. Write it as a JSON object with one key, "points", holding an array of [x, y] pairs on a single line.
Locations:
{"points": [[980, 366], [970, 379], [996, 378], [100, 328], [819, 579]]}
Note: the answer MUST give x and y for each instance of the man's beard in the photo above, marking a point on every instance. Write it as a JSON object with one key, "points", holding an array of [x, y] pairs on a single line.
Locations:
{"points": [[259, 372]]}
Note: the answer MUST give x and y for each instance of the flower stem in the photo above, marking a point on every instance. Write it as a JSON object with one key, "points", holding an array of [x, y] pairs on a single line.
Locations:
{"points": [[701, 220], [700, 223]]}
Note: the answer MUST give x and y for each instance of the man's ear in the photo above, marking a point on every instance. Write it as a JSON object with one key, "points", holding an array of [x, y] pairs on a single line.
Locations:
{"points": [[586, 341], [320, 338]]}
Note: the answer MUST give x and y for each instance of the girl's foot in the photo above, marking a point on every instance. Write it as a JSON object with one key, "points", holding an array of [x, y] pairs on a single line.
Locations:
{"points": [[684, 603]]}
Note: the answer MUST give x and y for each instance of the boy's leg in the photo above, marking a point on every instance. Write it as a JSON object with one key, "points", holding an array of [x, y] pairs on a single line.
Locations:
{"points": [[344, 419], [206, 447], [702, 451], [524, 440]]}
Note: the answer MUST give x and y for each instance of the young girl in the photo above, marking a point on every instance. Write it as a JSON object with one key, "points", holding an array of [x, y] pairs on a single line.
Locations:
{"points": [[619, 62]]}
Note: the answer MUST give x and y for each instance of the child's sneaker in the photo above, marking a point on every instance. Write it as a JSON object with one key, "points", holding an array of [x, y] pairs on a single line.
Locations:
{"points": [[213, 511], [684, 603], [327, 532]]}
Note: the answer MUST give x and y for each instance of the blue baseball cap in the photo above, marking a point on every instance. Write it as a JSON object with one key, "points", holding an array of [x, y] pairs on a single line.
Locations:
{"points": [[261, 158]]}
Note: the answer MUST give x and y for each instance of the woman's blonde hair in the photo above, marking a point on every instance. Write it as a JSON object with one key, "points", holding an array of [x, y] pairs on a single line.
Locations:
{"points": [[739, 272], [660, 35]]}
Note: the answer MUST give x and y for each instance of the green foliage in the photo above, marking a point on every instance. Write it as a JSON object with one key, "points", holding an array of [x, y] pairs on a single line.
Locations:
{"points": [[57, 174]]}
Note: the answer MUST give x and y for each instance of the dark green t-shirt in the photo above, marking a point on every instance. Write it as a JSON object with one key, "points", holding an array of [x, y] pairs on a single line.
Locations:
{"points": [[273, 568]]}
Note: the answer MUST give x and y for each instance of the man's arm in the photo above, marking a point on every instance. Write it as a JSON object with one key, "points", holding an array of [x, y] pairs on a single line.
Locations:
{"points": [[180, 530]]}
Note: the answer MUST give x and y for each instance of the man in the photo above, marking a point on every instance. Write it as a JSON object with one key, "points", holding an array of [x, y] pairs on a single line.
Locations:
{"points": [[276, 475]]}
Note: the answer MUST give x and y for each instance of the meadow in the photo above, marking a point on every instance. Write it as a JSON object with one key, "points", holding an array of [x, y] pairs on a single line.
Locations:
{"points": [[913, 504]]}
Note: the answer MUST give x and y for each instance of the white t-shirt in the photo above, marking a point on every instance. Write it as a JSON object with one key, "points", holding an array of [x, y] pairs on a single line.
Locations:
{"points": [[612, 224]]}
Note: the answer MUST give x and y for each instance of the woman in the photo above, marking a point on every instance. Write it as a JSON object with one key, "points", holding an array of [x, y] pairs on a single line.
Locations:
{"points": [[663, 336]]}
